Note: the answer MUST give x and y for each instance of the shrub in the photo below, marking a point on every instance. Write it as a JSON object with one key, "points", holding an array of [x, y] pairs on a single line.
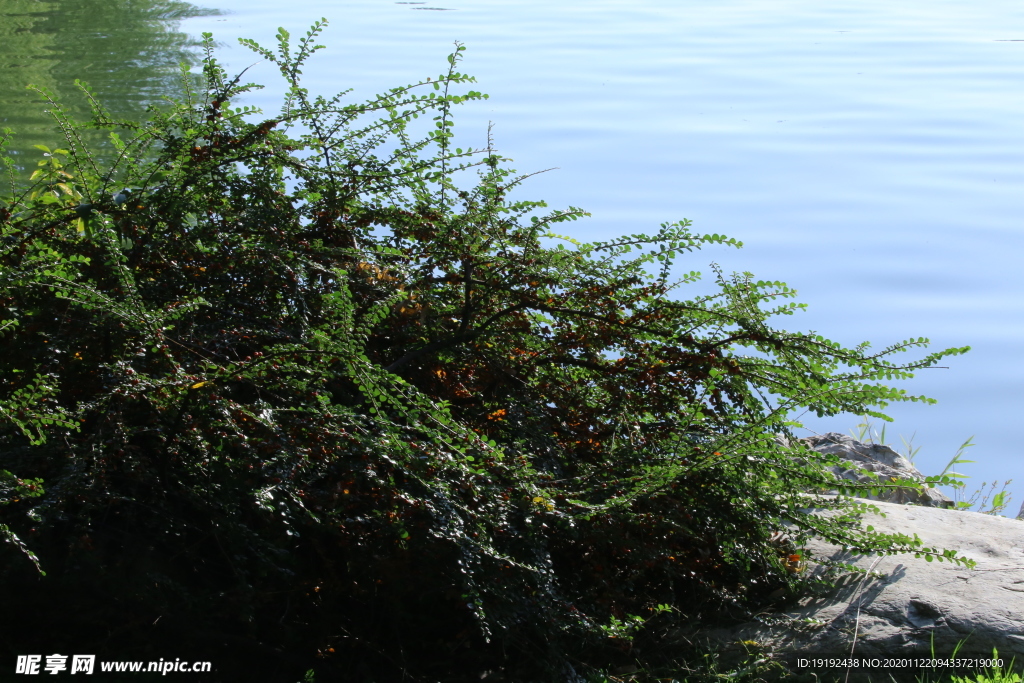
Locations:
{"points": [[297, 400]]}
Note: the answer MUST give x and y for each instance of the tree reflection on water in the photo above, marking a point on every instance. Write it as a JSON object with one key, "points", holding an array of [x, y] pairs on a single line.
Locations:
{"points": [[127, 51]]}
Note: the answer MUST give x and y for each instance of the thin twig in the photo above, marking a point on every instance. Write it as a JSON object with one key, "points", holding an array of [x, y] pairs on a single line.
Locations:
{"points": [[856, 625]]}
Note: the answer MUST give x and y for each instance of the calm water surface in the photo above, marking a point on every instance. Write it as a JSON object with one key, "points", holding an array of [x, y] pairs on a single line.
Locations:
{"points": [[870, 154]]}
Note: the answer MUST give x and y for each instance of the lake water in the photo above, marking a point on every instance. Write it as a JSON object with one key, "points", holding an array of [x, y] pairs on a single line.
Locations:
{"points": [[870, 154]]}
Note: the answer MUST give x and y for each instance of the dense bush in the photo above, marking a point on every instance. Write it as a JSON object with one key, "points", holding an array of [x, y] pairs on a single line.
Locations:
{"points": [[298, 401]]}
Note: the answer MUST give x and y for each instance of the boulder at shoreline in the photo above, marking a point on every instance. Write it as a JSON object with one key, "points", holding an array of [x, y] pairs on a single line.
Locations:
{"points": [[881, 461], [912, 603]]}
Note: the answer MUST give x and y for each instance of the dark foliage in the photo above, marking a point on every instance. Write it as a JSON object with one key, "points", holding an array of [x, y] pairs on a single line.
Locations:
{"points": [[297, 401]]}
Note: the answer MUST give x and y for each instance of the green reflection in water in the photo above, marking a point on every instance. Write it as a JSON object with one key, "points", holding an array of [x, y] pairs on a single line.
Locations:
{"points": [[127, 51]]}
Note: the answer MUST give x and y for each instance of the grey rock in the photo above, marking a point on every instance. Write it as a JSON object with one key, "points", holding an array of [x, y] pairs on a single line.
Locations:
{"points": [[898, 613], [882, 461]]}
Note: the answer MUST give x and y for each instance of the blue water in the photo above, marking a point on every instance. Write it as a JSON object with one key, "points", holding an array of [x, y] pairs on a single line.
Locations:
{"points": [[870, 154]]}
